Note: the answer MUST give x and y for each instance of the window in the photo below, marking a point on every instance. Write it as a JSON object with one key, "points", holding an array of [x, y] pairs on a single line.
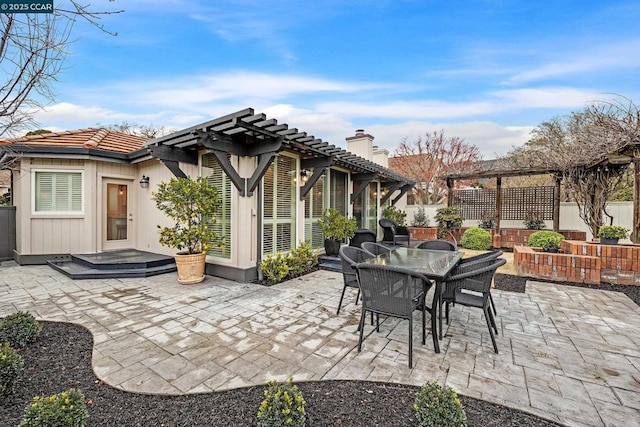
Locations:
{"points": [[338, 191], [218, 178], [372, 207], [279, 206], [58, 192]]}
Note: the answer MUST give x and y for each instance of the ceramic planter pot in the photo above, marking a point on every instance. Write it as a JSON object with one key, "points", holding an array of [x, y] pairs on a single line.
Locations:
{"points": [[332, 247], [605, 241], [190, 268]]}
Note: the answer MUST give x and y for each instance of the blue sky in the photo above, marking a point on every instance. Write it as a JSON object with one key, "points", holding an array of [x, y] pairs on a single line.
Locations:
{"points": [[487, 71]]}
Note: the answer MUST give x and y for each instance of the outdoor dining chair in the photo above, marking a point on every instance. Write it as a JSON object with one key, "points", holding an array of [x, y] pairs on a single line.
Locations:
{"points": [[375, 249], [481, 259], [362, 235], [394, 233], [438, 245], [470, 286], [394, 292], [349, 257]]}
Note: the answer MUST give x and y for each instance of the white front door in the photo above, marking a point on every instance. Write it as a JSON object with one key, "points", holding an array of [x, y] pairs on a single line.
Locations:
{"points": [[117, 217]]}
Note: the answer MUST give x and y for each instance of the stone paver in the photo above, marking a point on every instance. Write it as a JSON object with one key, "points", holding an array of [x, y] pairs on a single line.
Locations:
{"points": [[568, 354]]}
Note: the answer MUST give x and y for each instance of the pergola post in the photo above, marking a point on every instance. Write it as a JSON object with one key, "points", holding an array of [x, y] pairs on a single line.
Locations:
{"points": [[449, 192], [635, 233], [497, 238], [556, 206]]}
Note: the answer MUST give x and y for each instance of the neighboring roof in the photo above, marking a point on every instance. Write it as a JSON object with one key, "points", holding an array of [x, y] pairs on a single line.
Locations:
{"points": [[256, 128], [90, 142]]}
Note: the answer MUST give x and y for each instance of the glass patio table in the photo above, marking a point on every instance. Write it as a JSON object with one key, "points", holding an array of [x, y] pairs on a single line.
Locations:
{"points": [[435, 265]]}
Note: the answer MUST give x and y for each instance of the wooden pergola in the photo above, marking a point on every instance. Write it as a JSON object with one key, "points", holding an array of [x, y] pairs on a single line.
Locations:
{"points": [[631, 154]]}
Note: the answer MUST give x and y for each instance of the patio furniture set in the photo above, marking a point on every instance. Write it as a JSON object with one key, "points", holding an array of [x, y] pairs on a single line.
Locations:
{"points": [[394, 282]]}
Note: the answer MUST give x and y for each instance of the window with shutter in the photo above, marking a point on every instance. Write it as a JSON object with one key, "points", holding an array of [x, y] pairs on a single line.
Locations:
{"points": [[338, 197], [313, 207], [279, 206], [222, 225], [58, 192]]}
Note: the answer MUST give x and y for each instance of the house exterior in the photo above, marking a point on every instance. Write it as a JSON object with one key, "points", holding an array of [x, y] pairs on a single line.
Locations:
{"points": [[81, 192]]}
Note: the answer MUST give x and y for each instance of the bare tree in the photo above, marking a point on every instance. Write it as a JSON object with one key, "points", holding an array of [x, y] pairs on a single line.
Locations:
{"points": [[425, 159], [33, 48], [578, 147], [148, 131]]}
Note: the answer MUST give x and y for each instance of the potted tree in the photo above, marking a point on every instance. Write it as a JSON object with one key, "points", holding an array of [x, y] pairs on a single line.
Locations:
{"points": [[420, 229], [335, 228], [192, 204], [609, 234]]}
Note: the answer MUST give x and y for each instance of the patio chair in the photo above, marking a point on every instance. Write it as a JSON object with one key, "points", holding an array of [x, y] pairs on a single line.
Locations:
{"points": [[375, 249], [394, 233], [349, 257], [362, 235], [482, 258], [470, 285], [438, 245], [394, 292]]}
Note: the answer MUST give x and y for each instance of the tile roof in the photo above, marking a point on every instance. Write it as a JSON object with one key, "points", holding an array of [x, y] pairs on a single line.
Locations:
{"points": [[96, 138]]}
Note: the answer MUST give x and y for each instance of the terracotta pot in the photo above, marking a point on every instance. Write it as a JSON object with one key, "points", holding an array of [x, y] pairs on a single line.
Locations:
{"points": [[190, 268]]}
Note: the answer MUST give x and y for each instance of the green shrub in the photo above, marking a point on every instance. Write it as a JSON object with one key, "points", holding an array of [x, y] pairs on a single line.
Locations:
{"points": [[420, 218], [447, 219], [19, 329], [283, 405], [476, 238], [439, 407], [395, 214], [546, 239], [66, 409], [11, 364], [334, 225], [613, 232], [302, 259], [274, 268]]}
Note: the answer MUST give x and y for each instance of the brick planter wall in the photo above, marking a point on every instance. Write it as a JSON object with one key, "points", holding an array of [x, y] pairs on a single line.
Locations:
{"points": [[423, 233], [561, 266], [510, 237], [582, 262]]}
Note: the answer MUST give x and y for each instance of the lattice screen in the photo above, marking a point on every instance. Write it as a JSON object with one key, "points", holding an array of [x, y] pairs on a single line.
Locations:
{"points": [[517, 203]]}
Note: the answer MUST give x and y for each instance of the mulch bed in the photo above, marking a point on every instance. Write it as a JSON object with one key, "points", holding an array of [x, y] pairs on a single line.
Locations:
{"points": [[61, 359]]}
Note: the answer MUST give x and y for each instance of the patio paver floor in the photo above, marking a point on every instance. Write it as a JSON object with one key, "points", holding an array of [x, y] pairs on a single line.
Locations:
{"points": [[568, 354]]}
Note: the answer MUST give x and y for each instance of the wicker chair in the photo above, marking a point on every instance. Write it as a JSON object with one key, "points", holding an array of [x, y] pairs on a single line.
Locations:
{"points": [[475, 277], [438, 245], [375, 249], [349, 257], [394, 292], [362, 235], [394, 233]]}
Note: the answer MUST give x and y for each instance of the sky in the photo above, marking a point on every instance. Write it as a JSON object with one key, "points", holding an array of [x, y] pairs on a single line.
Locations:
{"points": [[487, 71]]}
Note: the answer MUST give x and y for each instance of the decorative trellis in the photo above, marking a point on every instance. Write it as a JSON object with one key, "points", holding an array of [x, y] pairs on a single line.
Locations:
{"points": [[516, 203]]}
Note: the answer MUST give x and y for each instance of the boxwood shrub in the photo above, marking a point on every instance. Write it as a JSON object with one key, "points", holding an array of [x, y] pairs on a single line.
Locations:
{"points": [[65, 409], [11, 364], [438, 406], [545, 239], [476, 238], [19, 329]]}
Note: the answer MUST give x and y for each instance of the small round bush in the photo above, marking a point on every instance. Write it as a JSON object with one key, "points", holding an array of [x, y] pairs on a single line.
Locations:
{"points": [[546, 239], [19, 329], [283, 405], [274, 268], [476, 238], [436, 406], [11, 364], [66, 409]]}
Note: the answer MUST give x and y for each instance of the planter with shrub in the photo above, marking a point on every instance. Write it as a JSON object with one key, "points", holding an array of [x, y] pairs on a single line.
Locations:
{"points": [[335, 228], [447, 219], [610, 234], [549, 241]]}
